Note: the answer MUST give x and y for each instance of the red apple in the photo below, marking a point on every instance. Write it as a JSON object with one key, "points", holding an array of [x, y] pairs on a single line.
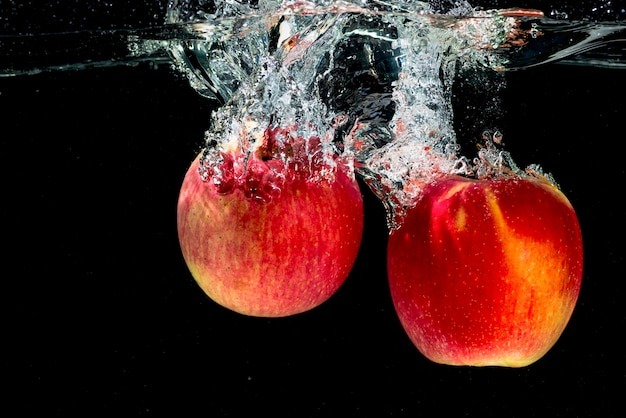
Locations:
{"points": [[486, 272], [265, 237]]}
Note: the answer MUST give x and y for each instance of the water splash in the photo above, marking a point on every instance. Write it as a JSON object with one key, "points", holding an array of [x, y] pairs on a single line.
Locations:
{"points": [[594, 36], [364, 85]]}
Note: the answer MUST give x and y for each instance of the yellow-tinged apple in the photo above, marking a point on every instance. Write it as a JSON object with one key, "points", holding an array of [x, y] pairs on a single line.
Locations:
{"points": [[272, 239], [486, 272]]}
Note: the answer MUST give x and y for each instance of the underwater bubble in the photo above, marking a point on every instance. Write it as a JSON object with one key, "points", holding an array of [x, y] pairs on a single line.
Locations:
{"points": [[367, 85]]}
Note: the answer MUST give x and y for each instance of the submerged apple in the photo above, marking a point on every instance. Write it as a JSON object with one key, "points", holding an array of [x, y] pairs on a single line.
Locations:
{"points": [[486, 272], [272, 233]]}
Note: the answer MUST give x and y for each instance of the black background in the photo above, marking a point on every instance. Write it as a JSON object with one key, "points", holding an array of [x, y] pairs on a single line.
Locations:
{"points": [[100, 314]]}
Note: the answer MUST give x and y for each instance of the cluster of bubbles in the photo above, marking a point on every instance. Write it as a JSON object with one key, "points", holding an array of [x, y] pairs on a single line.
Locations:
{"points": [[369, 80]]}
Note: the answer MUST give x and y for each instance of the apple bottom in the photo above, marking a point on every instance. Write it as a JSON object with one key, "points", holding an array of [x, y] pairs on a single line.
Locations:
{"points": [[486, 272], [275, 259]]}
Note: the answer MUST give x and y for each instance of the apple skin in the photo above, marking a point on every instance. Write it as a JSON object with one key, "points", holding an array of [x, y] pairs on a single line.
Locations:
{"points": [[271, 257], [486, 272]]}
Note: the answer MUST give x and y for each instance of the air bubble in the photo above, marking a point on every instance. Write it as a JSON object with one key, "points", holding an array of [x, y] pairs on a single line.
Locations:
{"points": [[312, 87], [555, 14]]}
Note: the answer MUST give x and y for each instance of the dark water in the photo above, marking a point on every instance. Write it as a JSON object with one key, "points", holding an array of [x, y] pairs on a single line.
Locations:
{"points": [[100, 314]]}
